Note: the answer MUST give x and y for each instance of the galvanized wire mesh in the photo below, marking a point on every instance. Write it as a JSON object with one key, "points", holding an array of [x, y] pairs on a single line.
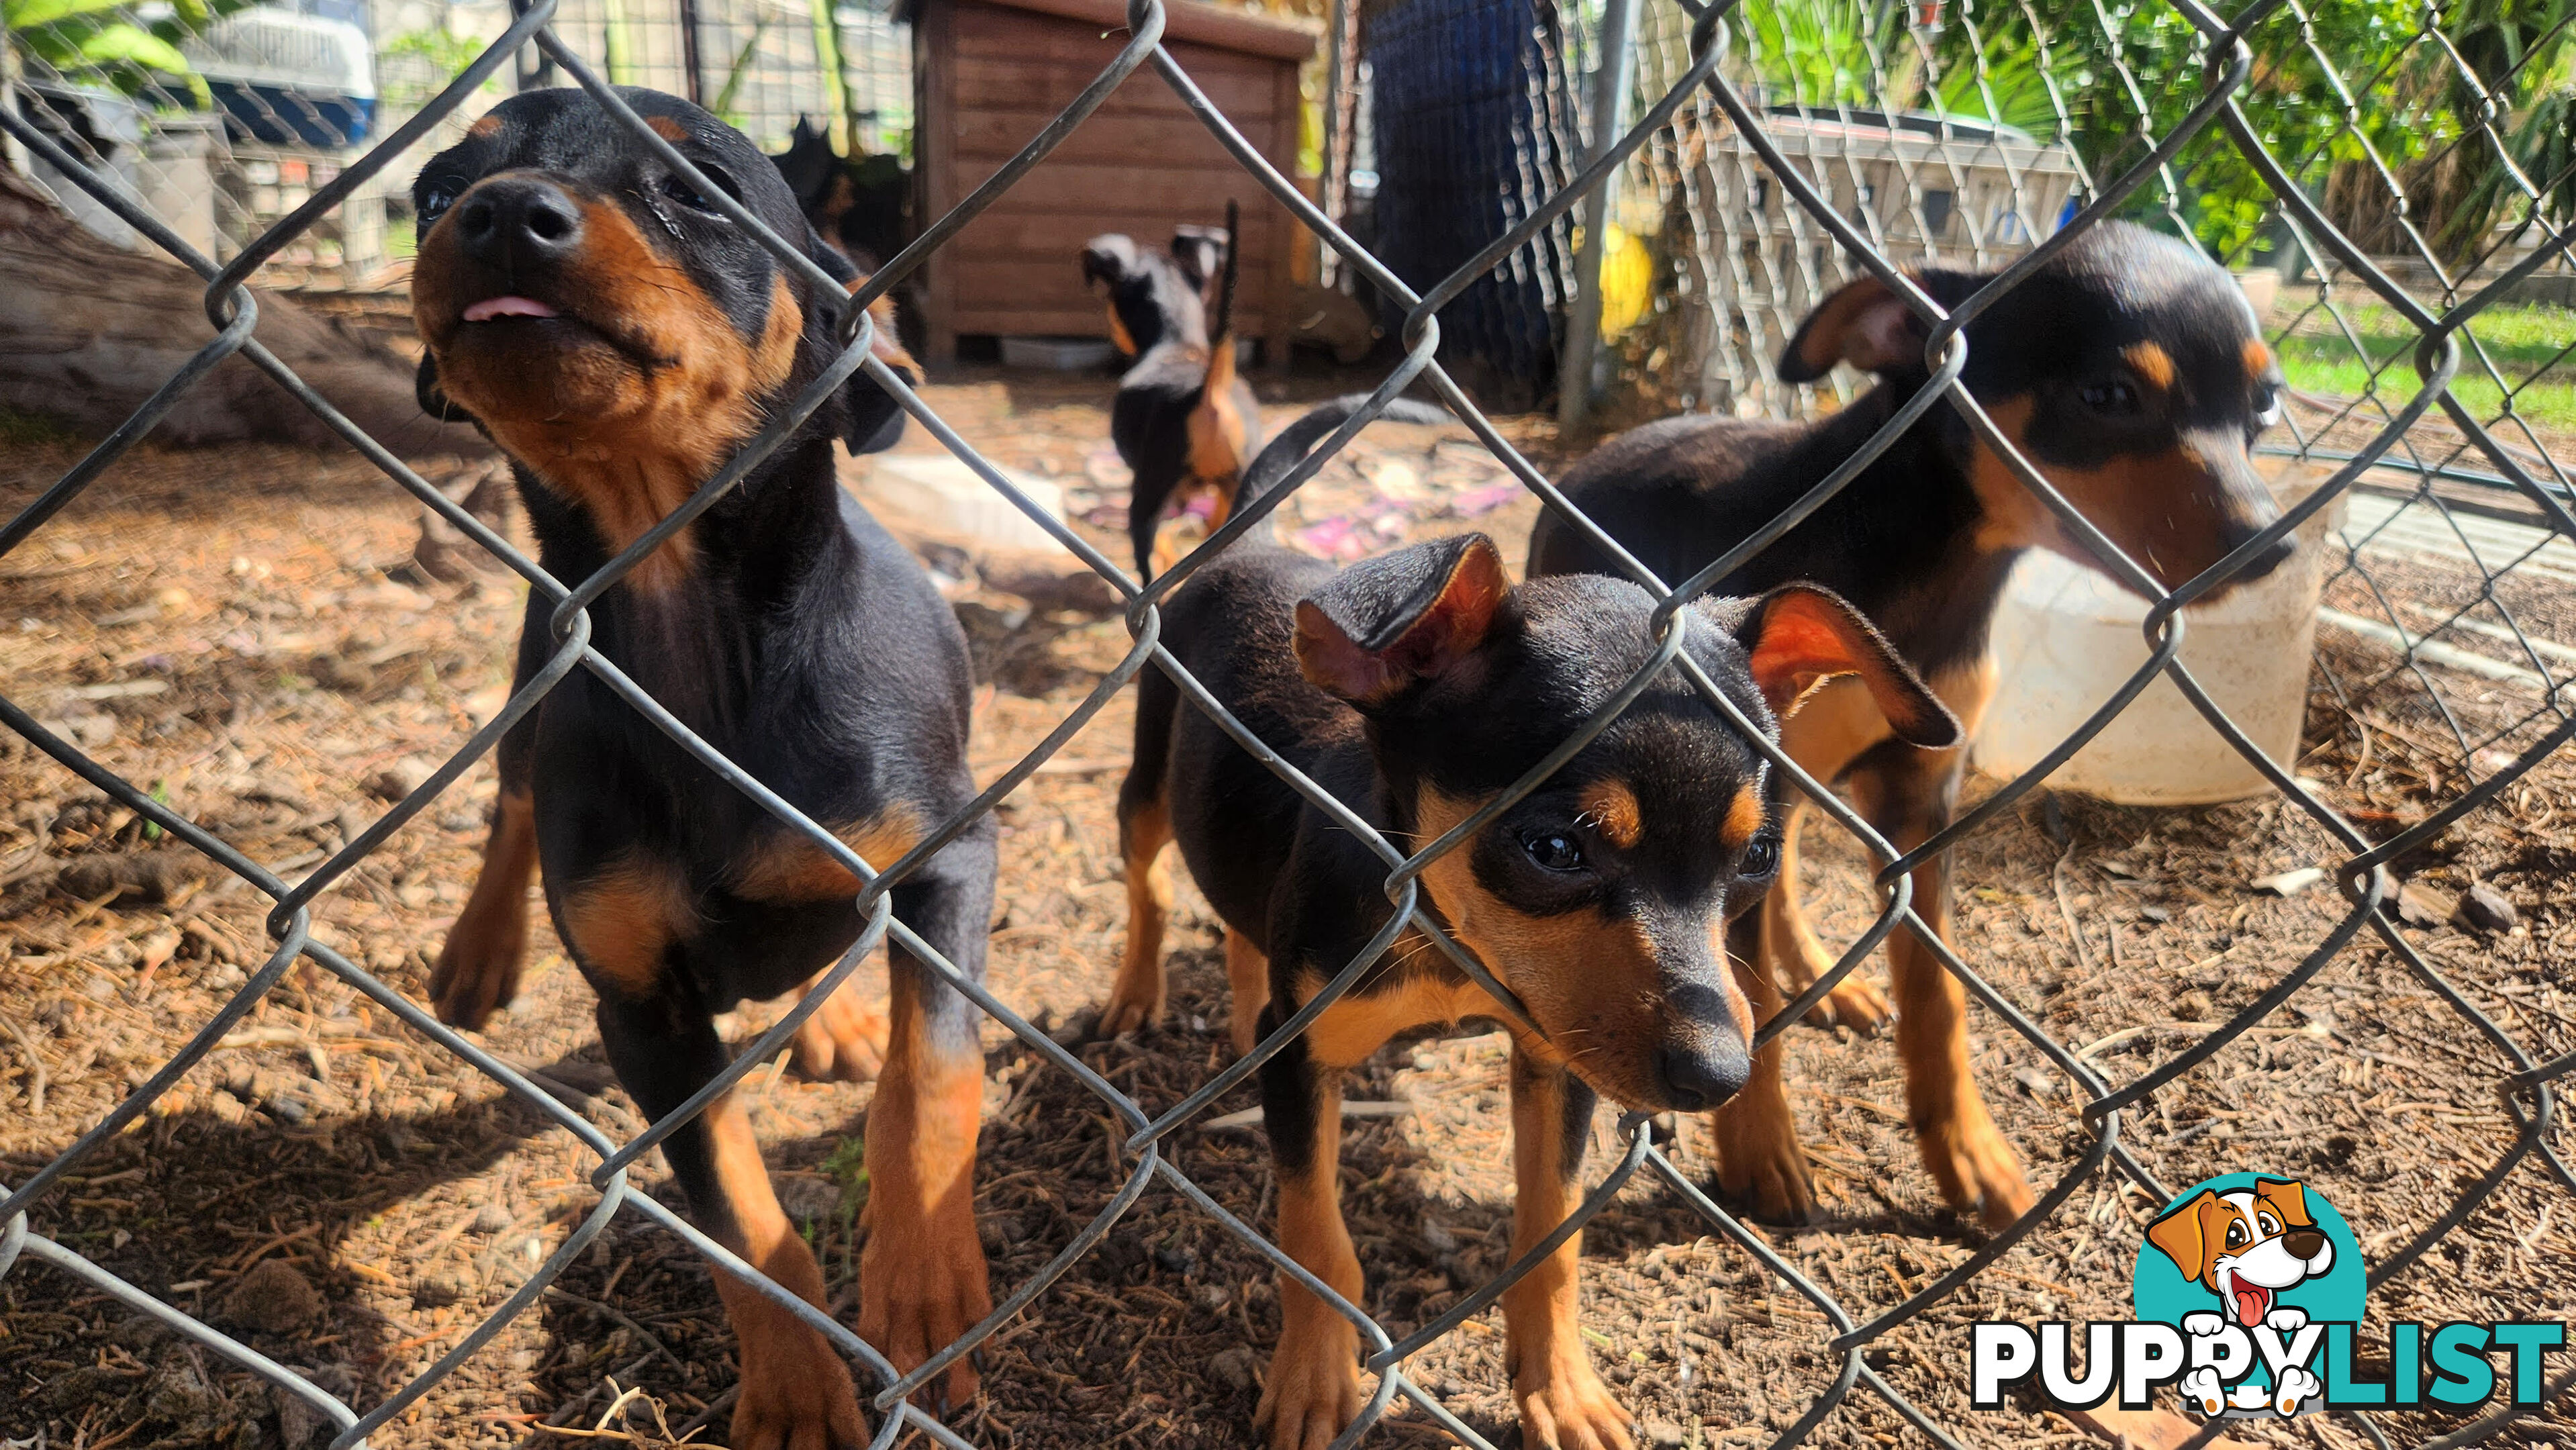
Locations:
{"points": [[1700, 88], [252, 108]]}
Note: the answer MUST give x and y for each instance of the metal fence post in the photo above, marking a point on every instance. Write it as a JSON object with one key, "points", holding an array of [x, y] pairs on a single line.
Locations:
{"points": [[1609, 118]]}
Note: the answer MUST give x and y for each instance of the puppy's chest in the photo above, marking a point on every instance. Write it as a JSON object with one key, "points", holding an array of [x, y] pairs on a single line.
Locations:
{"points": [[1414, 997]]}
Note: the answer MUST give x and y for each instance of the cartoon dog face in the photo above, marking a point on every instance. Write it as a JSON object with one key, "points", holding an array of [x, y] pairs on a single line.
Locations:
{"points": [[2246, 1246]]}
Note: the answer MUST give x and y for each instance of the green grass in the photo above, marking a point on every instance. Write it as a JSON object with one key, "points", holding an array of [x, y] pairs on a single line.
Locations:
{"points": [[2528, 345]]}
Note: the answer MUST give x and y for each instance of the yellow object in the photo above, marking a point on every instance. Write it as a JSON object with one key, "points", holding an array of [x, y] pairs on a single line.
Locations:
{"points": [[1627, 282]]}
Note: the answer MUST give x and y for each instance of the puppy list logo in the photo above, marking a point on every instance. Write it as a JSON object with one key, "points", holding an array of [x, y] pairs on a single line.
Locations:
{"points": [[2249, 1300]]}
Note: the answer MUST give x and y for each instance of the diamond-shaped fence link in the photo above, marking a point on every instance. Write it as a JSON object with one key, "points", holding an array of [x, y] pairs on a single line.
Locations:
{"points": [[1771, 193]]}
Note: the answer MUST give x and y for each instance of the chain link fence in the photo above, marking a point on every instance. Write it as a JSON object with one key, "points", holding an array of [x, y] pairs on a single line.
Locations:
{"points": [[1767, 207], [223, 118]]}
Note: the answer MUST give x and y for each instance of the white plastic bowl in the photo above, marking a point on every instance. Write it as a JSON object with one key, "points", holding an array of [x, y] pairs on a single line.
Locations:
{"points": [[2065, 638]]}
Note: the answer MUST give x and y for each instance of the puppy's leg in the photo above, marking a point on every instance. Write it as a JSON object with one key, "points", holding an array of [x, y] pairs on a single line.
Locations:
{"points": [[1247, 977], [1137, 998], [1148, 493], [1313, 1389], [478, 965], [1798, 958], [1909, 794], [1827, 733], [921, 1276], [795, 1393], [1564, 1405], [1759, 1161]]}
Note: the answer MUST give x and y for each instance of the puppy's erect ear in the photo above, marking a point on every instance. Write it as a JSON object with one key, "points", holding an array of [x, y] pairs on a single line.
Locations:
{"points": [[871, 421], [1799, 636], [1198, 256], [1108, 257], [2179, 1234], [1386, 624]]}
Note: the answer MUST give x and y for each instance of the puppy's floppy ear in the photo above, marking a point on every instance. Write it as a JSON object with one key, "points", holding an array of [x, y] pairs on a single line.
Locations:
{"points": [[1799, 636], [871, 421], [1387, 624], [2179, 1235], [1867, 325]]}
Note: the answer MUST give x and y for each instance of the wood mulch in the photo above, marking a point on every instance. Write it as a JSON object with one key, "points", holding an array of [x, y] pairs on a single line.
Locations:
{"points": [[237, 631]]}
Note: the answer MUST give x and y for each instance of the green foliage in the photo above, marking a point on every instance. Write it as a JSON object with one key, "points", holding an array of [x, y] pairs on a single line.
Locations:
{"points": [[1812, 52], [446, 54], [724, 103], [2137, 76], [2338, 87], [102, 43]]}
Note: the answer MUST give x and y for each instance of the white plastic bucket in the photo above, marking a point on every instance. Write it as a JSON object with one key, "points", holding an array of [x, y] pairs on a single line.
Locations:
{"points": [[2065, 638]]}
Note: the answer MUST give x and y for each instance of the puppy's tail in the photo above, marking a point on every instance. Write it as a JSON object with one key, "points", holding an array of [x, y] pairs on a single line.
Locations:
{"points": [[1298, 439], [1220, 373]]}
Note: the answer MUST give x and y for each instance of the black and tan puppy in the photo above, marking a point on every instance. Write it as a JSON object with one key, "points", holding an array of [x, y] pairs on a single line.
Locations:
{"points": [[1416, 687], [1184, 421], [2129, 370], [620, 339]]}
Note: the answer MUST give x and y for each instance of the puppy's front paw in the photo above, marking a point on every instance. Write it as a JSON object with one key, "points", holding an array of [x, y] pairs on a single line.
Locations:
{"points": [[1760, 1165], [477, 972], [922, 1285], [795, 1392], [1133, 1006], [2287, 1320], [1856, 1003], [844, 1039], [1564, 1406], [2204, 1324], [1314, 1385], [1977, 1170]]}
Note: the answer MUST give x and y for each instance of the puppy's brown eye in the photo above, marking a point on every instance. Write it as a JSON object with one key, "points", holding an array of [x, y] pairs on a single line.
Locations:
{"points": [[1553, 851], [1761, 858], [2235, 1233], [686, 195], [2267, 405], [2111, 398], [434, 202]]}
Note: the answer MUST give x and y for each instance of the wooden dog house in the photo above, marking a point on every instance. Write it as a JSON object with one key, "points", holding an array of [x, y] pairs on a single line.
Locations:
{"points": [[988, 75]]}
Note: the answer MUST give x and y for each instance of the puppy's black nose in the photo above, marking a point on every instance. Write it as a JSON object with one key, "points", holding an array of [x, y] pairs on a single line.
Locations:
{"points": [[2303, 1243], [517, 221], [1700, 1077]]}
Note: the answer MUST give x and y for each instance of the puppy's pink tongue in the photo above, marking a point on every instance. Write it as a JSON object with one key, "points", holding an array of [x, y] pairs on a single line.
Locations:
{"points": [[2252, 1302], [491, 307]]}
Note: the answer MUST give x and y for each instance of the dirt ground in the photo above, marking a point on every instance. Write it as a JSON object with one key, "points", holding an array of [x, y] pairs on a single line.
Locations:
{"points": [[240, 631]]}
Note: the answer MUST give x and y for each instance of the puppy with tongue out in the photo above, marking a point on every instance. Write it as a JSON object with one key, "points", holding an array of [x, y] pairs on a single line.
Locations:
{"points": [[2246, 1246]]}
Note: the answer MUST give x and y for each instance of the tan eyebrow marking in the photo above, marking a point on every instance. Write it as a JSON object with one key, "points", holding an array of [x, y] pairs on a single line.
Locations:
{"points": [[667, 129], [2153, 363], [1744, 816], [1611, 808], [2258, 360]]}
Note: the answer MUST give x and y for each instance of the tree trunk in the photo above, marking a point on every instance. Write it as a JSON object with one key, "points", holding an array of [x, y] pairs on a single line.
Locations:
{"points": [[88, 331]]}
